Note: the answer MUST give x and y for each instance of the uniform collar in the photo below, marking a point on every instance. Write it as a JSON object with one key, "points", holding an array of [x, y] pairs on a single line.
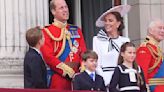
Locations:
{"points": [[151, 40], [59, 24]]}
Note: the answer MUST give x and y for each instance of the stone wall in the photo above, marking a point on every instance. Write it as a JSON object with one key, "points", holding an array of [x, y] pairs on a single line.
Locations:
{"points": [[143, 11], [16, 16]]}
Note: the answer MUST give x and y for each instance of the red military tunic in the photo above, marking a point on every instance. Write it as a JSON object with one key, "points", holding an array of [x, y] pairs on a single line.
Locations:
{"points": [[53, 48], [149, 57]]}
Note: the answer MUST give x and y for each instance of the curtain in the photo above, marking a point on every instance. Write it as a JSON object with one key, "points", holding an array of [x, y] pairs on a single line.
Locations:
{"points": [[91, 10]]}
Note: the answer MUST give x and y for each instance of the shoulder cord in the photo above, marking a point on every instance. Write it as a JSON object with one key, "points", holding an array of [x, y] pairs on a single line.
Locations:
{"points": [[158, 57], [65, 34]]}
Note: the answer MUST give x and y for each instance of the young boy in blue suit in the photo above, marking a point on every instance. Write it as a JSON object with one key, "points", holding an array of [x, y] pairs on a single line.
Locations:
{"points": [[89, 80], [35, 72]]}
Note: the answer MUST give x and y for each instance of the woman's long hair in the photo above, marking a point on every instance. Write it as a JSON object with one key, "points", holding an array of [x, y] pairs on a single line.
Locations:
{"points": [[135, 65]]}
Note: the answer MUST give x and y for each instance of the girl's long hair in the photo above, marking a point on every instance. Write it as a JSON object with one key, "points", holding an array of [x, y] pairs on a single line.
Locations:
{"points": [[135, 65]]}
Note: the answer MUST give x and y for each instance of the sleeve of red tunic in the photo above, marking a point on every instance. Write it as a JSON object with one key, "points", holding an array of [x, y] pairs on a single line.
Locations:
{"points": [[143, 58], [48, 54]]}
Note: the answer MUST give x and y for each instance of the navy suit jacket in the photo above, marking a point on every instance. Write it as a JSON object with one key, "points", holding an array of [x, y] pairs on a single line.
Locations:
{"points": [[35, 72], [83, 81]]}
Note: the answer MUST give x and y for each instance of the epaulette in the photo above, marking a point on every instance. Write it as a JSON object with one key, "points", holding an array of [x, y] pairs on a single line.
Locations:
{"points": [[146, 41], [144, 45]]}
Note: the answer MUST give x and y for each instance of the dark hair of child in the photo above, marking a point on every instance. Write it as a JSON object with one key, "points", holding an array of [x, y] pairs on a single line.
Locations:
{"points": [[89, 54]]}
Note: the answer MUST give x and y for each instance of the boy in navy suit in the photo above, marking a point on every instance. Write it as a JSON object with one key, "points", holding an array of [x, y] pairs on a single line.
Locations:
{"points": [[35, 72], [89, 80]]}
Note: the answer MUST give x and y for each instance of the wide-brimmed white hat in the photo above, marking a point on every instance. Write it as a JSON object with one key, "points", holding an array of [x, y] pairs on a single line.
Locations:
{"points": [[122, 9]]}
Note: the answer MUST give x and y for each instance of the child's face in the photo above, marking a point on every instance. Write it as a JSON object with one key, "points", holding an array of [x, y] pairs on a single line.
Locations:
{"points": [[129, 55], [91, 64]]}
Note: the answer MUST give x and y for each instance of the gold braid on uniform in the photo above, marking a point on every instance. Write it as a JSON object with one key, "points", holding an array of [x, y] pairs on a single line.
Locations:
{"points": [[65, 34], [157, 55], [63, 46], [156, 81], [55, 38]]}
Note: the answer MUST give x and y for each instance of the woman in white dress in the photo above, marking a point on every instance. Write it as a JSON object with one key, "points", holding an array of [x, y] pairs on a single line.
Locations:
{"points": [[107, 43]]}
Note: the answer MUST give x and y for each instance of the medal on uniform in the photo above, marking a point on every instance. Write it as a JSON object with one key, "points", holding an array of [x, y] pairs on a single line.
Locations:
{"points": [[74, 34], [74, 49], [76, 43]]}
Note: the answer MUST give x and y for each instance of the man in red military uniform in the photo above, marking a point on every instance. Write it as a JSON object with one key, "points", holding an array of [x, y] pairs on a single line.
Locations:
{"points": [[63, 47], [149, 56]]}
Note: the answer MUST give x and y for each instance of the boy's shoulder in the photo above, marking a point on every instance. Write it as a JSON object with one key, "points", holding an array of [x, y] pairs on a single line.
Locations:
{"points": [[77, 74], [32, 53]]}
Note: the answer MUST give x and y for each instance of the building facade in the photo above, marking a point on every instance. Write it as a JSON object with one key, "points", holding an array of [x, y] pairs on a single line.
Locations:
{"points": [[16, 16]]}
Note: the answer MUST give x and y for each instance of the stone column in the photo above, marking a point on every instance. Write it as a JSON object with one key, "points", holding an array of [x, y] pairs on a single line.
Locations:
{"points": [[16, 16], [142, 12]]}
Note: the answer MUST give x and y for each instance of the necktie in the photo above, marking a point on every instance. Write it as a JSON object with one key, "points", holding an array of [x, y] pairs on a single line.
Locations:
{"points": [[92, 76]]}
